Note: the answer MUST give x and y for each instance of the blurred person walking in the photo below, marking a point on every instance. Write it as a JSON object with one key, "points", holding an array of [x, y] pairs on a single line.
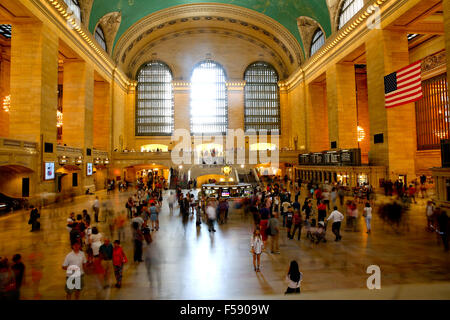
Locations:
{"points": [[19, 272], [96, 208], [298, 223], [274, 233], [119, 259], [367, 214]]}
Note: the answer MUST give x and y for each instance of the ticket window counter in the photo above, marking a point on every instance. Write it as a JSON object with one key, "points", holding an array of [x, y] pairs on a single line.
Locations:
{"points": [[343, 179], [363, 179]]}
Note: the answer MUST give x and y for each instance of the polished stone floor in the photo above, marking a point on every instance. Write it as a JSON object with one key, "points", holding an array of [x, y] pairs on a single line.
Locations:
{"points": [[184, 262]]}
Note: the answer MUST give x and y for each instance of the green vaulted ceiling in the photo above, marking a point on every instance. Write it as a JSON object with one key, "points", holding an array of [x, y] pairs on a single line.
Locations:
{"points": [[285, 12]]}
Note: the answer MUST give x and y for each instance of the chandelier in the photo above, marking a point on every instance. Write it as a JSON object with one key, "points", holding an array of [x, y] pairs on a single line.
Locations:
{"points": [[59, 119], [7, 103]]}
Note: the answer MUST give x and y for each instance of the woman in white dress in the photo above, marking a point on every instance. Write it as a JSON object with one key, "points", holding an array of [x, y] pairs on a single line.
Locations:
{"points": [[95, 241], [257, 246]]}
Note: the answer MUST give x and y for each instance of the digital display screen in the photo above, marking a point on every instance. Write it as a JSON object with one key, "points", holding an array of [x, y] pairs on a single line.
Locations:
{"points": [[225, 194], [49, 170], [89, 169]]}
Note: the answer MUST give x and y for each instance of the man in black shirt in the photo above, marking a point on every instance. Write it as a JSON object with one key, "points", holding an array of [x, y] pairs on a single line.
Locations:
{"points": [[106, 253]]}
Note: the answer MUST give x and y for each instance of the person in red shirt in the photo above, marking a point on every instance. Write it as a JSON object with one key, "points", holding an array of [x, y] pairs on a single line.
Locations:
{"points": [[412, 193], [322, 211], [119, 259]]}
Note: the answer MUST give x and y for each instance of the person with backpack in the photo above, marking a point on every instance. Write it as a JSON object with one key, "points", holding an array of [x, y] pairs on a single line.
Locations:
{"points": [[274, 233], [298, 223], [294, 278]]}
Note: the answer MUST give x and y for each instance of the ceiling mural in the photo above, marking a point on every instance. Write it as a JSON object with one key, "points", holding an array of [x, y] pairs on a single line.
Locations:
{"points": [[285, 12]]}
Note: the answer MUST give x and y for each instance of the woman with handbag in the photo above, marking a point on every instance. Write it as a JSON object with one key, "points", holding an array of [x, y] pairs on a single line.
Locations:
{"points": [[119, 259]]}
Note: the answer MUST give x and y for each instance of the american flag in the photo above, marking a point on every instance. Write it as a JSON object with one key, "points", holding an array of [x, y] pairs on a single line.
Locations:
{"points": [[404, 86]]}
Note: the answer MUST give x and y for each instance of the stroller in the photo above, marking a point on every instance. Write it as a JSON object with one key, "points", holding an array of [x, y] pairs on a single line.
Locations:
{"points": [[317, 234]]}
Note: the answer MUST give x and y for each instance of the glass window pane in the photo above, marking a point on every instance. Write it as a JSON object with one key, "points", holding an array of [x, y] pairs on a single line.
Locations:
{"points": [[209, 103], [317, 41], [154, 100], [432, 113], [262, 99], [100, 37], [348, 10], [74, 6]]}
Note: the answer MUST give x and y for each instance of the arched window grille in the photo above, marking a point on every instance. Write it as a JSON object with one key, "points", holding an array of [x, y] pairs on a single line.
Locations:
{"points": [[100, 37], [209, 103], [154, 102], [348, 10], [262, 98], [318, 41], [74, 6]]}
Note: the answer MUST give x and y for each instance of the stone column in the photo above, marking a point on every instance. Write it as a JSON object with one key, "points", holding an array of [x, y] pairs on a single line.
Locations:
{"points": [[102, 116], [182, 115], [78, 105], [317, 118], [342, 109], [286, 139], [387, 52], [236, 108], [34, 90]]}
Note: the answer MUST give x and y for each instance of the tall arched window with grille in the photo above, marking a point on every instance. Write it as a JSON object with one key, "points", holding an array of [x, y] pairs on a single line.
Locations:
{"points": [[262, 98], [100, 37], [74, 6], [154, 101], [209, 103], [348, 10], [317, 42]]}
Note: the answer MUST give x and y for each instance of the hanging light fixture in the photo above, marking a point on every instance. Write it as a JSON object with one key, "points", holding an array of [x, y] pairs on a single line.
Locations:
{"points": [[7, 103], [59, 119], [361, 134]]}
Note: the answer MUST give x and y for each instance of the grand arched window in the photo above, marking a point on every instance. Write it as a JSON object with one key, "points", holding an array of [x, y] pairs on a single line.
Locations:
{"points": [[318, 40], [348, 10], [74, 6], [209, 104], [100, 37], [262, 99], [154, 102]]}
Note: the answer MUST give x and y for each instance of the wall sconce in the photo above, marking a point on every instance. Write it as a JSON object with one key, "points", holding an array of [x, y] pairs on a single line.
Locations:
{"points": [[7, 103], [79, 160], [106, 161], [361, 134], [97, 160], [63, 160], [59, 119]]}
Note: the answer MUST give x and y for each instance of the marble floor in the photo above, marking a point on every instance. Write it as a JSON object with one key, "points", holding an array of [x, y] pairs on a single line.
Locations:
{"points": [[185, 262]]}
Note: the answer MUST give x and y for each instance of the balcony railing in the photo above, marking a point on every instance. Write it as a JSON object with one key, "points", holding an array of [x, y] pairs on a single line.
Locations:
{"points": [[18, 144]]}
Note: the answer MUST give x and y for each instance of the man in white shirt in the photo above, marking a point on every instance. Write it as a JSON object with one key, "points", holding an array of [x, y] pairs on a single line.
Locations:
{"points": [[96, 208], [211, 213], [337, 218], [137, 219], [74, 263], [171, 201]]}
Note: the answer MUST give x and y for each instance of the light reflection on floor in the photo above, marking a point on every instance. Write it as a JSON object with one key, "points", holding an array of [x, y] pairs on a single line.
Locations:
{"points": [[184, 262]]}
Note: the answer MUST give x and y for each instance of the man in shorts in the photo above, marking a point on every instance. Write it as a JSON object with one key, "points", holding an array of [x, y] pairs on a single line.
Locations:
{"points": [[73, 264]]}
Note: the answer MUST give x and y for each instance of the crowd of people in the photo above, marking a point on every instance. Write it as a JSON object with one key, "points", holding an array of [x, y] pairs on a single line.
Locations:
{"points": [[276, 209]]}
